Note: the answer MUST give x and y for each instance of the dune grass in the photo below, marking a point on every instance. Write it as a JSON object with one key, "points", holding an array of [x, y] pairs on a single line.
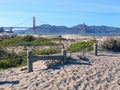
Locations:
{"points": [[20, 59], [28, 40], [79, 46]]}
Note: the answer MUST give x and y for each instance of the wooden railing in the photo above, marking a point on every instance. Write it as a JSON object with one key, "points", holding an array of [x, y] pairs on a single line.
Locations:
{"points": [[96, 49], [31, 57], [61, 57]]}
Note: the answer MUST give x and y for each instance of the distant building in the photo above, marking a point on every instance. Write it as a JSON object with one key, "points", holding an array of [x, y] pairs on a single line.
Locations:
{"points": [[6, 30], [1, 29]]}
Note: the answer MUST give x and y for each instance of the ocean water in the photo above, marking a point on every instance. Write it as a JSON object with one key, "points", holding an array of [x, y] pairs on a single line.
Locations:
{"points": [[100, 34]]}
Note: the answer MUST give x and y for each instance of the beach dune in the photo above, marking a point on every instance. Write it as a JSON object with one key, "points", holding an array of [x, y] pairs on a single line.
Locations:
{"points": [[100, 73]]}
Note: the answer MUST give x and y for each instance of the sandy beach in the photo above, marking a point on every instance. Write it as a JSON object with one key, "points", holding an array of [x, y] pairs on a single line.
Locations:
{"points": [[100, 72]]}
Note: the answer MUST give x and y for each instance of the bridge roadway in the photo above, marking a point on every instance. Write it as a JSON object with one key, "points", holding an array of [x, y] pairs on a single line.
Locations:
{"points": [[17, 27]]}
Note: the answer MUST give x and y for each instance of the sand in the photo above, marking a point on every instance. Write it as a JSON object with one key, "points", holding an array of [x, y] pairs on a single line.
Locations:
{"points": [[100, 72]]}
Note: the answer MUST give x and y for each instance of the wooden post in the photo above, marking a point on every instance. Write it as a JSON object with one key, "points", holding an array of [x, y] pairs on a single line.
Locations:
{"points": [[96, 49], [29, 61], [64, 55]]}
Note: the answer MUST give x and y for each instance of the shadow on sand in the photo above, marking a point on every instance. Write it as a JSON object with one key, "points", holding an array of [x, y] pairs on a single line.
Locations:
{"points": [[70, 62], [9, 82], [109, 53]]}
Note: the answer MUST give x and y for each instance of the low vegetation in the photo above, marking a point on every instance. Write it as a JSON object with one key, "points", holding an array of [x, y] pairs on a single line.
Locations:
{"points": [[28, 40], [59, 38], [79, 46], [111, 44], [9, 59], [15, 60]]}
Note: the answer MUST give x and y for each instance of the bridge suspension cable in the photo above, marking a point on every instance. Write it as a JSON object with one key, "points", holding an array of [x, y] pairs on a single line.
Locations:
{"points": [[22, 22], [18, 26], [40, 20]]}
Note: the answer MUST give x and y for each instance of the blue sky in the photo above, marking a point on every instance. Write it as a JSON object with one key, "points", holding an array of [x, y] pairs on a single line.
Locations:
{"points": [[60, 12]]}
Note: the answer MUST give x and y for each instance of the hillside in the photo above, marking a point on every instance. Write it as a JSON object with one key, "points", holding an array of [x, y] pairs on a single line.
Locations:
{"points": [[78, 29]]}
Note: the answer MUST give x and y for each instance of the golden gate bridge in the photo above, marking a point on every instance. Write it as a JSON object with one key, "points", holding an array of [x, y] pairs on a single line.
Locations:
{"points": [[33, 26]]}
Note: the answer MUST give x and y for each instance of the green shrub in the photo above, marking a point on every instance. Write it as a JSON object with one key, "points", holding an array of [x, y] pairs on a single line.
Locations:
{"points": [[27, 41], [43, 41], [9, 59], [11, 62], [28, 38], [79, 46], [9, 42], [5, 63]]}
